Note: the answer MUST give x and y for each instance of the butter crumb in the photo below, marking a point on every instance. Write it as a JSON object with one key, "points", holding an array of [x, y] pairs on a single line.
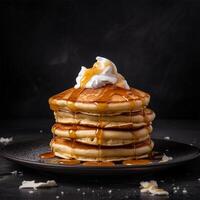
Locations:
{"points": [[6, 141], [152, 188], [165, 158], [109, 191], [33, 184], [184, 191]]}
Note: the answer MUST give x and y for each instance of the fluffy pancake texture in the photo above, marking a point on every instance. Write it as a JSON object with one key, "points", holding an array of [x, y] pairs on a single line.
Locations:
{"points": [[67, 149], [108, 99], [111, 137], [129, 120], [102, 124]]}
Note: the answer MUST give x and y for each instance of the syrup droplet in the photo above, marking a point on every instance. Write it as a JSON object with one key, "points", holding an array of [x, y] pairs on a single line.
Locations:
{"points": [[72, 134], [47, 155], [71, 106]]}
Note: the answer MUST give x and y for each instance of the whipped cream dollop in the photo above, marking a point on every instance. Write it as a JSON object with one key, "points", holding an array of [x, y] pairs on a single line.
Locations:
{"points": [[102, 73]]}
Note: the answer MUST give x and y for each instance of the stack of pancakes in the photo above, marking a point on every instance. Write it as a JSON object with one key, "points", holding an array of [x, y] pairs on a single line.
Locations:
{"points": [[103, 124]]}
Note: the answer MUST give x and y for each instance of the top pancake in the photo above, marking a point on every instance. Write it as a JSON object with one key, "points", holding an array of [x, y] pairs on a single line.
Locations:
{"points": [[107, 99]]}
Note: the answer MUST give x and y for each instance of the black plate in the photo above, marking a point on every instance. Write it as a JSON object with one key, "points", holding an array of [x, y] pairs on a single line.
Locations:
{"points": [[27, 154]]}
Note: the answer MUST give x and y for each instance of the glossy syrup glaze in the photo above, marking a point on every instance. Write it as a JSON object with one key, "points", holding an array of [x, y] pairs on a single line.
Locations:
{"points": [[88, 74]]}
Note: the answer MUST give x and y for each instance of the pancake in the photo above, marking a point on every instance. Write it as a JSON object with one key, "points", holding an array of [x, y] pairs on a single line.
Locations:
{"points": [[132, 120], [104, 137], [107, 99], [67, 149]]}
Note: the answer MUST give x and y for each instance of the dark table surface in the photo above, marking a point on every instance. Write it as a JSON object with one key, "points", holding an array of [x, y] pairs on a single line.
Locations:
{"points": [[100, 187]]}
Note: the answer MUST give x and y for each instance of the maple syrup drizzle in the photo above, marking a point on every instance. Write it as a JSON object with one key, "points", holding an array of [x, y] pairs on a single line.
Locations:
{"points": [[99, 136], [47, 155], [107, 94], [137, 162], [71, 105], [101, 107], [73, 98], [72, 135], [88, 75]]}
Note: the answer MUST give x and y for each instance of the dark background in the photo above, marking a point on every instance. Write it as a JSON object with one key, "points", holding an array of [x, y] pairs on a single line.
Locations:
{"points": [[155, 45]]}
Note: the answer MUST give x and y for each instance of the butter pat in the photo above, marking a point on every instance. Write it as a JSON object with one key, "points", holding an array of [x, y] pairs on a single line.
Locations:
{"points": [[33, 184], [5, 141], [152, 188], [165, 158], [102, 73]]}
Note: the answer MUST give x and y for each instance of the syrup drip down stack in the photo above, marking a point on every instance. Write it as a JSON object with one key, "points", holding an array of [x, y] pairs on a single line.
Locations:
{"points": [[101, 118]]}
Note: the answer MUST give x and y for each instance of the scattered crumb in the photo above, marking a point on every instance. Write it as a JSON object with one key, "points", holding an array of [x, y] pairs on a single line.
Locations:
{"points": [[6, 141], [167, 138], [184, 191], [62, 192], [92, 191], [31, 192], [109, 191], [57, 197], [83, 193], [177, 187], [175, 191], [152, 188], [14, 172], [165, 158], [41, 131], [78, 189], [33, 184]]}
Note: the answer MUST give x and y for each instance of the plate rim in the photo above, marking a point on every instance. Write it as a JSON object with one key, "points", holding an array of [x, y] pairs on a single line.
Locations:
{"points": [[25, 162]]}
